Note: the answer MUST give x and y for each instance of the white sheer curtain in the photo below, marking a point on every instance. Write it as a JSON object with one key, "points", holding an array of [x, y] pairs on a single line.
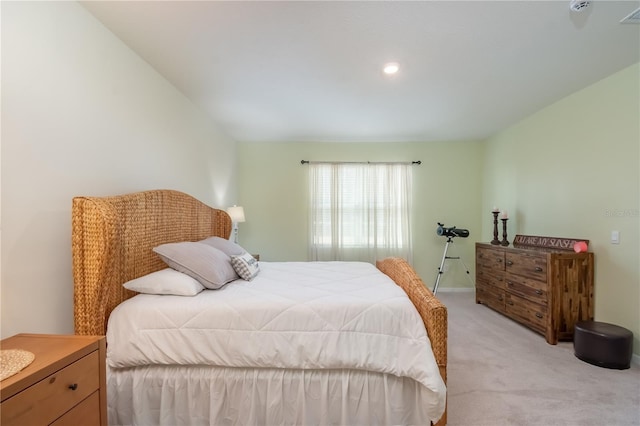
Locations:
{"points": [[360, 211]]}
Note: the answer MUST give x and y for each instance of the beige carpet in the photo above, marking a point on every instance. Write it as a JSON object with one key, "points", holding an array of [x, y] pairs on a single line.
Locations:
{"points": [[501, 373]]}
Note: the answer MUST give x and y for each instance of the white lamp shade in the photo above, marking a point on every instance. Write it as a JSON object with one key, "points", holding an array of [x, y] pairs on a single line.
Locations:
{"points": [[236, 213]]}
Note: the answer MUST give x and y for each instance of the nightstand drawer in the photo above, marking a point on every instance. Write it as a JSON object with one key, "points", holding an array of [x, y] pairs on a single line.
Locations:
{"points": [[54, 395], [85, 413]]}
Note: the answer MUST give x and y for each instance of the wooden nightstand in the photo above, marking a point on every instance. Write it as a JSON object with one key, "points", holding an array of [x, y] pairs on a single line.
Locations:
{"points": [[64, 385]]}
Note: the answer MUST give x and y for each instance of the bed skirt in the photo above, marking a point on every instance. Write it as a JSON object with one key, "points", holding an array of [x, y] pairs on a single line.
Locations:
{"points": [[201, 395]]}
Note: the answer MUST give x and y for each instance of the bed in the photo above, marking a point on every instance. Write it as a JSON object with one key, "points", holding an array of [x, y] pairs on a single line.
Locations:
{"points": [[112, 243]]}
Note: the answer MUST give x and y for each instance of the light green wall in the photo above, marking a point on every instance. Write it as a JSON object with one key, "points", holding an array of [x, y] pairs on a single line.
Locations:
{"points": [[272, 187], [571, 170]]}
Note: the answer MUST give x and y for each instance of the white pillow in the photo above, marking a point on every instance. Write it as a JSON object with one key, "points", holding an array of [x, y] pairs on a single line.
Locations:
{"points": [[246, 266], [206, 264], [228, 247], [165, 281]]}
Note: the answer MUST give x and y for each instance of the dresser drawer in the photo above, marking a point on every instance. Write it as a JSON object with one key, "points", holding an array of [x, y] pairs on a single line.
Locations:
{"points": [[490, 277], [490, 258], [490, 296], [533, 290], [54, 395], [532, 266], [531, 314]]}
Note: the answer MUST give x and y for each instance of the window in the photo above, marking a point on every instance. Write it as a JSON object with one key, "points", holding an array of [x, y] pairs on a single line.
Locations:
{"points": [[359, 211]]}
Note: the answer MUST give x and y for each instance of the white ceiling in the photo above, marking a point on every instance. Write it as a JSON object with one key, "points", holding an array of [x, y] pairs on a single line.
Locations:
{"points": [[311, 70]]}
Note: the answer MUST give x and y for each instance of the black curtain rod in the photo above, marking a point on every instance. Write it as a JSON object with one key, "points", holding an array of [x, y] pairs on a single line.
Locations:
{"points": [[360, 162]]}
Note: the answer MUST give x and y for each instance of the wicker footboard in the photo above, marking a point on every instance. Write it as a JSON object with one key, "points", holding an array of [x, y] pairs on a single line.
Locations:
{"points": [[432, 311]]}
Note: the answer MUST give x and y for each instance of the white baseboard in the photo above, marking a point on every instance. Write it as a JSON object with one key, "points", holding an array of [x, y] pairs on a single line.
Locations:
{"points": [[635, 359], [455, 289]]}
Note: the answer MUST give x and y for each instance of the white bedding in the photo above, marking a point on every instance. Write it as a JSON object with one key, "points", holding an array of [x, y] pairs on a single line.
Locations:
{"points": [[293, 315], [202, 395]]}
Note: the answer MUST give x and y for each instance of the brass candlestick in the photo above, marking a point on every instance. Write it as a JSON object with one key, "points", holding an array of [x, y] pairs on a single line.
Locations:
{"points": [[504, 233], [495, 240]]}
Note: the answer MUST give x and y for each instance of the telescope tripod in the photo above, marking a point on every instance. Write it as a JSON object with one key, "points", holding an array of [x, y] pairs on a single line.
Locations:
{"points": [[444, 258]]}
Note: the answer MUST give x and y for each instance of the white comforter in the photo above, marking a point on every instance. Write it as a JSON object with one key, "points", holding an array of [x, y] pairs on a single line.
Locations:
{"points": [[296, 315]]}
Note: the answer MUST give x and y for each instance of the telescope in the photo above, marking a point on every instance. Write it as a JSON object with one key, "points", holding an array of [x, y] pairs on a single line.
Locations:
{"points": [[452, 231], [449, 233]]}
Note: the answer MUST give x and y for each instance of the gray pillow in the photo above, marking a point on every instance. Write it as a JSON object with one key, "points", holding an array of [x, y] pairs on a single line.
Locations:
{"points": [[228, 247], [210, 266]]}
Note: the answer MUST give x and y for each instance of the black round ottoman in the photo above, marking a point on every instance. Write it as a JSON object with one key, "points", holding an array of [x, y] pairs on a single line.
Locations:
{"points": [[602, 344]]}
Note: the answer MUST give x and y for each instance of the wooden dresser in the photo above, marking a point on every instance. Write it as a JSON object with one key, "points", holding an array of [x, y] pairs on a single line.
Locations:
{"points": [[545, 289], [64, 385]]}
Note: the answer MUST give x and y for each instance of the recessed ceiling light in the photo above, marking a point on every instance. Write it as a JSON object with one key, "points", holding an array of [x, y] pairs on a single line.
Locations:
{"points": [[391, 68]]}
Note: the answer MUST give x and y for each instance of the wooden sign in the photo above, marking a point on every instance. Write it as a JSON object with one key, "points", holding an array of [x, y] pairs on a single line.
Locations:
{"points": [[546, 242]]}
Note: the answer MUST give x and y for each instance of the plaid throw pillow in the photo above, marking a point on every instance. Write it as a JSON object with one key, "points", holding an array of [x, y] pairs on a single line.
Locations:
{"points": [[245, 265]]}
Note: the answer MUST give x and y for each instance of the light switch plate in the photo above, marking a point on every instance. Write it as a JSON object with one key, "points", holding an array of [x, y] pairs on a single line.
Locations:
{"points": [[615, 237]]}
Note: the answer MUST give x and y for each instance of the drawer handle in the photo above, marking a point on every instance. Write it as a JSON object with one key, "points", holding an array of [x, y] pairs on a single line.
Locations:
{"points": [[499, 260], [510, 302], [509, 283], [538, 269], [73, 386], [539, 292], [509, 262], [500, 298], [538, 314]]}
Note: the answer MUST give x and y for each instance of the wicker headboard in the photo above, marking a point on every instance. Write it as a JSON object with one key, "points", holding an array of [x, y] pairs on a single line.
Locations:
{"points": [[112, 241]]}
